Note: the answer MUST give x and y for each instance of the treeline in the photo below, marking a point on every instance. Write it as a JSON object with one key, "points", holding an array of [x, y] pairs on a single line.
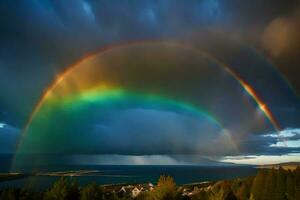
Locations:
{"points": [[67, 189], [267, 184]]}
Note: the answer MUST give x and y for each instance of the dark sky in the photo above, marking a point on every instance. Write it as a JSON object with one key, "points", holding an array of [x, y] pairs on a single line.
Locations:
{"points": [[258, 39]]}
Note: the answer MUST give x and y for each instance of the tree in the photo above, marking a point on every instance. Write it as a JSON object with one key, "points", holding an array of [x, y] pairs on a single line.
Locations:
{"points": [[243, 191], [258, 184], [230, 196], [202, 195], [269, 187], [290, 185], [10, 194], [165, 189], [145, 196], [281, 185], [297, 182], [91, 192], [62, 190]]}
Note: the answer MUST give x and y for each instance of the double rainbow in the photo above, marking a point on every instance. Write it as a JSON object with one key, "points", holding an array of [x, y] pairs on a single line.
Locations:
{"points": [[101, 91]]}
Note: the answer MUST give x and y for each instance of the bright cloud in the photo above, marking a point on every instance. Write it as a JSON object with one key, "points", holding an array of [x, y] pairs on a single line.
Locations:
{"points": [[263, 159], [269, 148], [288, 138], [2, 125]]}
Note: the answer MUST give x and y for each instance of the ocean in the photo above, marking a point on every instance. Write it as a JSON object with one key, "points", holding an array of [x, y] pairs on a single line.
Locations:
{"points": [[115, 174]]}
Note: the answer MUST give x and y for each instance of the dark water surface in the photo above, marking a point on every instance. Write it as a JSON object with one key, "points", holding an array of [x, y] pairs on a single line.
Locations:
{"points": [[112, 174]]}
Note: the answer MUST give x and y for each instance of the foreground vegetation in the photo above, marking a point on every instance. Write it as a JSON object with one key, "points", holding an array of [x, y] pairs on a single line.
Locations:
{"points": [[273, 184]]}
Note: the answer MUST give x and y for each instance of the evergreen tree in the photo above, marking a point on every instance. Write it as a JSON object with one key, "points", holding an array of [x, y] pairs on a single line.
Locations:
{"points": [[269, 188], [243, 192], [281, 184], [297, 182], [258, 184], [290, 185]]}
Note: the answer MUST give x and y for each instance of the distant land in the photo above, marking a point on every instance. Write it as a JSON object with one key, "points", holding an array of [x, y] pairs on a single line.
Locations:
{"points": [[286, 166]]}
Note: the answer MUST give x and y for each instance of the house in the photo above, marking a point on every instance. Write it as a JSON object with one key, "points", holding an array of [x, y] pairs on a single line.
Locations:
{"points": [[123, 189], [150, 185], [135, 192], [122, 192]]}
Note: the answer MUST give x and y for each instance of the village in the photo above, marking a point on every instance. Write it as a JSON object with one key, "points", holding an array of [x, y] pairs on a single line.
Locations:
{"points": [[133, 191]]}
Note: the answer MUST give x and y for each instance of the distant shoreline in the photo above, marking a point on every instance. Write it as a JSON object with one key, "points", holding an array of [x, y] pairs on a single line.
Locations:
{"points": [[286, 166]]}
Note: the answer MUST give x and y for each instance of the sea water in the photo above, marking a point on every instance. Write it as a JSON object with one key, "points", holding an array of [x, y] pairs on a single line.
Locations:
{"points": [[131, 174]]}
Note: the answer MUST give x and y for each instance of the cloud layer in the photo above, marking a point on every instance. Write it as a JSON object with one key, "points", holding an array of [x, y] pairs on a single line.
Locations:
{"points": [[278, 143], [38, 39]]}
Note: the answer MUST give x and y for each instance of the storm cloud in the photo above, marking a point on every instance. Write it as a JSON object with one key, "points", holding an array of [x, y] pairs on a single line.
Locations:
{"points": [[40, 39]]}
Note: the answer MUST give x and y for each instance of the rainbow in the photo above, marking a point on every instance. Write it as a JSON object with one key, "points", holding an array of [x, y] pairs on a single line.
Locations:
{"points": [[107, 94], [263, 107], [251, 92], [259, 53], [99, 100]]}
